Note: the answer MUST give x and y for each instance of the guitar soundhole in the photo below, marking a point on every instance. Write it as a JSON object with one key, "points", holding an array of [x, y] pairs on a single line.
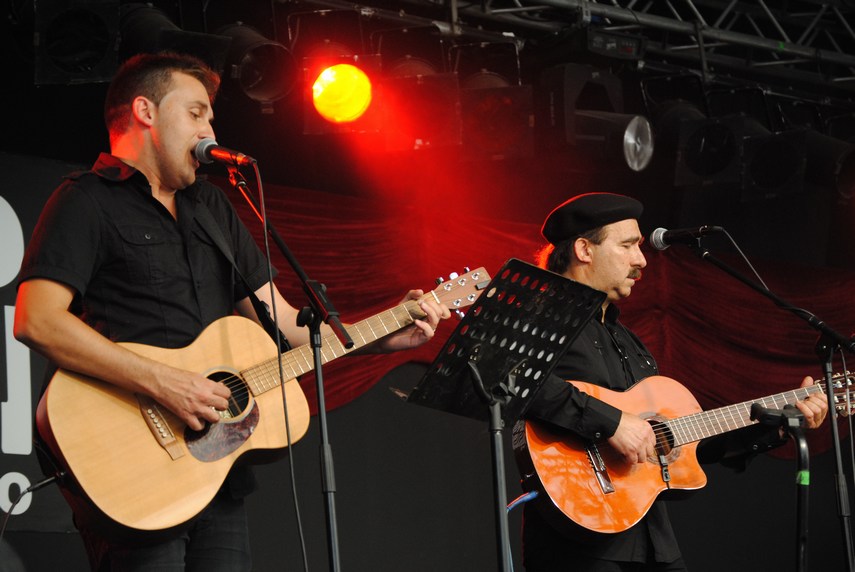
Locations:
{"points": [[664, 439], [239, 399], [237, 423]]}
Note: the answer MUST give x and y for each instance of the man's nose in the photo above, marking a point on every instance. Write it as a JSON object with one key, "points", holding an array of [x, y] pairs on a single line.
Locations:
{"points": [[640, 261]]}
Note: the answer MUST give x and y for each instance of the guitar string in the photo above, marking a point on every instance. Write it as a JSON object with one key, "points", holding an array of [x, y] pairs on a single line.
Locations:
{"points": [[697, 423], [377, 326]]}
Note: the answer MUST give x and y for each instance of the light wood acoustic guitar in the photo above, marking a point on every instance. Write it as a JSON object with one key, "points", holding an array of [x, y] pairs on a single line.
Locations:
{"points": [[592, 486], [135, 470]]}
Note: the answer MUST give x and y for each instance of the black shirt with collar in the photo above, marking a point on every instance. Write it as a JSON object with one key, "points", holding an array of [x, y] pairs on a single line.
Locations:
{"points": [[607, 354], [140, 275]]}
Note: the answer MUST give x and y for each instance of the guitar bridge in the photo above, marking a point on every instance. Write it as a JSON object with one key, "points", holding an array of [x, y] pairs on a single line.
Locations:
{"points": [[599, 467], [159, 427], [666, 473]]}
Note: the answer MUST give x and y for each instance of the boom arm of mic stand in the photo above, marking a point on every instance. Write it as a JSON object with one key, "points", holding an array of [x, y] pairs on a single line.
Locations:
{"points": [[827, 340], [313, 289], [814, 322]]}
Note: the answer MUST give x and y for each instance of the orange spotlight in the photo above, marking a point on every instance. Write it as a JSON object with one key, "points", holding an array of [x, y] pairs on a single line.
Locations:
{"points": [[342, 93]]}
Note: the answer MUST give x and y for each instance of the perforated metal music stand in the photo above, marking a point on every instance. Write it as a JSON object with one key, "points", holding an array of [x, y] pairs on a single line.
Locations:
{"points": [[500, 354]]}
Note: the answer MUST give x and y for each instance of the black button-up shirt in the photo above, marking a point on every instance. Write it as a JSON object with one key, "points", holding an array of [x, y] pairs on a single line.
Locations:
{"points": [[606, 354], [139, 274]]}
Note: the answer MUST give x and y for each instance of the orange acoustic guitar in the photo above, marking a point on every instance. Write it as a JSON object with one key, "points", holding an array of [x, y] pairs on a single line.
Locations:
{"points": [[593, 486], [138, 468]]}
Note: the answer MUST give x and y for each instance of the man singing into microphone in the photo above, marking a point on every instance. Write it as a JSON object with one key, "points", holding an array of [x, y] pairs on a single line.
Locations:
{"points": [[120, 255], [594, 239]]}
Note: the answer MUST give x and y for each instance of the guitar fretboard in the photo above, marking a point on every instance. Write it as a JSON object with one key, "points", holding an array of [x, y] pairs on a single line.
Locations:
{"points": [[697, 426], [298, 361]]}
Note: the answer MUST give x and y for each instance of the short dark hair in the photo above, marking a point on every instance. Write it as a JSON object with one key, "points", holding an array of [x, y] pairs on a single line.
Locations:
{"points": [[150, 75], [557, 257]]}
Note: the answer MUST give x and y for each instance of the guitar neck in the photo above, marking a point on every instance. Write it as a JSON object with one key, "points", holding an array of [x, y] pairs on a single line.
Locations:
{"points": [[697, 426], [300, 360]]}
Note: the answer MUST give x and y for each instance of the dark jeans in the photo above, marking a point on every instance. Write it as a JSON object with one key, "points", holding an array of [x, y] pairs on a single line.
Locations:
{"points": [[218, 541], [585, 564]]}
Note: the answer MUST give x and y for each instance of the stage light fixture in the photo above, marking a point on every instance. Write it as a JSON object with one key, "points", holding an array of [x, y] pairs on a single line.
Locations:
{"points": [[583, 106], [498, 122], [410, 51], [342, 93], [326, 33], [841, 126], [773, 163], [75, 42], [421, 112], [340, 96], [421, 99], [264, 70], [749, 101], [831, 163], [497, 112], [708, 149], [339, 78], [146, 29], [486, 64]]}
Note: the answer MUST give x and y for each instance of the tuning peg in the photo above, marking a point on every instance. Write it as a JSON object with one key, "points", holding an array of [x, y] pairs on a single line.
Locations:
{"points": [[466, 269], [453, 275], [439, 280], [460, 315]]}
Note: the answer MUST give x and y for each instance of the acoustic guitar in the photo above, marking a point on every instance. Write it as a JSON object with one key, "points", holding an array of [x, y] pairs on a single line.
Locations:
{"points": [[594, 487], [132, 467]]}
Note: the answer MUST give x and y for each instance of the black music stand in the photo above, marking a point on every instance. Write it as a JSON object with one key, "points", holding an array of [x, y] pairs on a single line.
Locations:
{"points": [[500, 354]]}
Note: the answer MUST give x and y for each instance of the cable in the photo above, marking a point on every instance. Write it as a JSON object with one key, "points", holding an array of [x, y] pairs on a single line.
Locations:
{"points": [[523, 498], [848, 402], [267, 252], [745, 258], [32, 488]]}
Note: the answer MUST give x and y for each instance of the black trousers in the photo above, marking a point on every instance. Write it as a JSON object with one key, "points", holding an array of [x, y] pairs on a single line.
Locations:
{"points": [[586, 564]]}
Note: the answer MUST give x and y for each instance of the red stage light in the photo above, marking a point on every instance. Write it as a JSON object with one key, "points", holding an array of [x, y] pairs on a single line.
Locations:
{"points": [[342, 93]]}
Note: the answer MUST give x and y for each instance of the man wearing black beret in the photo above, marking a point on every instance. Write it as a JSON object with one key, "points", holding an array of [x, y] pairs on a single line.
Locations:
{"points": [[595, 239]]}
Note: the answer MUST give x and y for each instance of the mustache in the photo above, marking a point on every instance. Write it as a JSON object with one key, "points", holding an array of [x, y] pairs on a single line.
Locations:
{"points": [[635, 274]]}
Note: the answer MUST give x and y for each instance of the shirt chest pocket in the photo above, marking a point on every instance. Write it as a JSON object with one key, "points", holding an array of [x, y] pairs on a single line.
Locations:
{"points": [[147, 255]]}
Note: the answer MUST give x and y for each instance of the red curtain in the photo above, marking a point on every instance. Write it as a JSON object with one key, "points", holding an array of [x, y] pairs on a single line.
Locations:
{"points": [[717, 336]]}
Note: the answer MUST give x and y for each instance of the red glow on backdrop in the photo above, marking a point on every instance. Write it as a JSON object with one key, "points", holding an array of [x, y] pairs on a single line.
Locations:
{"points": [[370, 258]]}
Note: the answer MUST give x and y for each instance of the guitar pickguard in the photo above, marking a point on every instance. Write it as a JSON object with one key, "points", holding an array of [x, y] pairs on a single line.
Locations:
{"points": [[220, 439], [236, 425]]}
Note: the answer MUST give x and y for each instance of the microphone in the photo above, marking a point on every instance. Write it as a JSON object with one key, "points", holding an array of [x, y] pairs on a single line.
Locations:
{"points": [[660, 239], [207, 151]]}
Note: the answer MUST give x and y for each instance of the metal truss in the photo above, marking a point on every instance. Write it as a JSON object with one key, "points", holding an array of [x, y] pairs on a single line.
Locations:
{"points": [[808, 45]]}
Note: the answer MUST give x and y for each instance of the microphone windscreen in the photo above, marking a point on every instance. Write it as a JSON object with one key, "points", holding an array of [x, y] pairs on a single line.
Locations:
{"points": [[201, 150]]}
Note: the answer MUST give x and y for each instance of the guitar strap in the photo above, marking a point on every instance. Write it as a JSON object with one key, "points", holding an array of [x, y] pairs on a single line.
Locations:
{"points": [[212, 229]]}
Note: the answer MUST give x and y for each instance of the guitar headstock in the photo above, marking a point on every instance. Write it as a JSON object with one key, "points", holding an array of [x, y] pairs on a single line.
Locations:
{"points": [[844, 393], [460, 291]]}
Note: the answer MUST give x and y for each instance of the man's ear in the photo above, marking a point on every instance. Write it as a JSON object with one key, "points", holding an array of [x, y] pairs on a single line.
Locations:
{"points": [[143, 110], [582, 250]]}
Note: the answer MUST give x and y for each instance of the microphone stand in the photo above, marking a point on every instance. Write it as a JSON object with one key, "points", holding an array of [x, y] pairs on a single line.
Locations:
{"points": [[829, 341], [791, 420], [320, 310]]}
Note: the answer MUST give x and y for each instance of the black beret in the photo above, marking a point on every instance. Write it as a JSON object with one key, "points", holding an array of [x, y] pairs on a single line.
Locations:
{"points": [[587, 212]]}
